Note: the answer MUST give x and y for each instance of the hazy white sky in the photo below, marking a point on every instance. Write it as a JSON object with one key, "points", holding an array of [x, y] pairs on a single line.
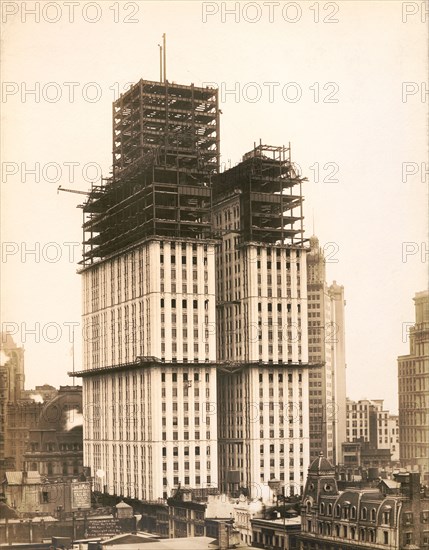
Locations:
{"points": [[342, 81]]}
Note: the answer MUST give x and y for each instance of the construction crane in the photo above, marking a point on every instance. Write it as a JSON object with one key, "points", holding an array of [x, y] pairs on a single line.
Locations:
{"points": [[72, 191]]}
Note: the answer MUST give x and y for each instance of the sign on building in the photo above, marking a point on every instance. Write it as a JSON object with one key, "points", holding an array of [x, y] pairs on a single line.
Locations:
{"points": [[80, 495]]}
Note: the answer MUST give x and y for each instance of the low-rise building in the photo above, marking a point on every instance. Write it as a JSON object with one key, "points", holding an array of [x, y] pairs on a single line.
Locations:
{"points": [[30, 494], [276, 534], [197, 513]]}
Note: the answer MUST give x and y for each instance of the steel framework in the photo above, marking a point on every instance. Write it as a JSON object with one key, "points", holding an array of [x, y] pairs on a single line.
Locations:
{"points": [[165, 152]]}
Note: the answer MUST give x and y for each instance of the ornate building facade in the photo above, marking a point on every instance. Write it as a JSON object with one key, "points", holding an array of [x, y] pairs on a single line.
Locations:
{"points": [[392, 514]]}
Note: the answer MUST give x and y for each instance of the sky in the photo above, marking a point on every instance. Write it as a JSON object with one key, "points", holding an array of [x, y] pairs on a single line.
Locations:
{"points": [[343, 82]]}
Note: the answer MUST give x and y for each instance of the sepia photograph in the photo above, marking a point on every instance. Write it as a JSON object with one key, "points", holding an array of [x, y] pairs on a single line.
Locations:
{"points": [[214, 275]]}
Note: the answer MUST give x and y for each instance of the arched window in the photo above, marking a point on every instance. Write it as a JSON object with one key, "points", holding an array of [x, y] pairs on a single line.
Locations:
{"points": [[308, 506], [372, 536], [353, 512], [322, 507], [329, 512], [362, 534], [337, 530], [352, 533], [338, 510], [364, 513], [373, 514]]}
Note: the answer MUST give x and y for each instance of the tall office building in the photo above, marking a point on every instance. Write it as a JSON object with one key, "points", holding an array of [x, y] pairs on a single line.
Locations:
{"points": [[149, 296], [180, 260], [413, 389], [326, 336], [261, 323]]}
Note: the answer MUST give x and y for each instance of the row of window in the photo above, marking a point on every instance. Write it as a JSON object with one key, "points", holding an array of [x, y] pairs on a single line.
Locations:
{"points": [[347, 512]]}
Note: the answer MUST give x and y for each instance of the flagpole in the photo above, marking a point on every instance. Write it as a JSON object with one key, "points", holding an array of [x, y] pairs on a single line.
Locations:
{"points": [[73, 353]]}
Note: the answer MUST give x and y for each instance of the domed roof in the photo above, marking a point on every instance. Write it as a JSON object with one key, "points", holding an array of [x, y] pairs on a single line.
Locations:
{"points": [[64, 412], [321, 465]]}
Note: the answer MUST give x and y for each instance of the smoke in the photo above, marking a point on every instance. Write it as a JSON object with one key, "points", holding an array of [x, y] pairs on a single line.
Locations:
{"points": [[3, 358], [36, 397], [73, 419]]}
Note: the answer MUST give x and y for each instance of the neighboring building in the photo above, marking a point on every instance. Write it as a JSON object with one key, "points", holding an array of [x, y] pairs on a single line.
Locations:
{"points": [[11, 386], [374, 430], [30, 494], [276, 534], [394, 515], [244, 512], [158, 237], [19, 411], [326, 347], [261, 324], [55, 446], [413, 389], [41, 394], [393, 433], [361, 454], [198, 514]]}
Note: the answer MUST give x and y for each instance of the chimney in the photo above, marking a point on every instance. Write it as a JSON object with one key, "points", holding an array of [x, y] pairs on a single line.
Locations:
{"points": [[414, 485]]}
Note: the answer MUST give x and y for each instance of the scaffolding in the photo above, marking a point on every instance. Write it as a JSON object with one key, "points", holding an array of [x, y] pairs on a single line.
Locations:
{"points": [[165, 152], [270, 190]]}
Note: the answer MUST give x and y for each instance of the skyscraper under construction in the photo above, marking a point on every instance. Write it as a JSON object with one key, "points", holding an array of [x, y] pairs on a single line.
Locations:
{"points": [[195, 306]]}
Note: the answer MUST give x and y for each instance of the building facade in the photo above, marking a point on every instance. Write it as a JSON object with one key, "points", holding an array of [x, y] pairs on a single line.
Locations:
{"points": [[389, 515], [413, 389], [19, 411], [326, 347], [55, 443], [371, 427]]}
